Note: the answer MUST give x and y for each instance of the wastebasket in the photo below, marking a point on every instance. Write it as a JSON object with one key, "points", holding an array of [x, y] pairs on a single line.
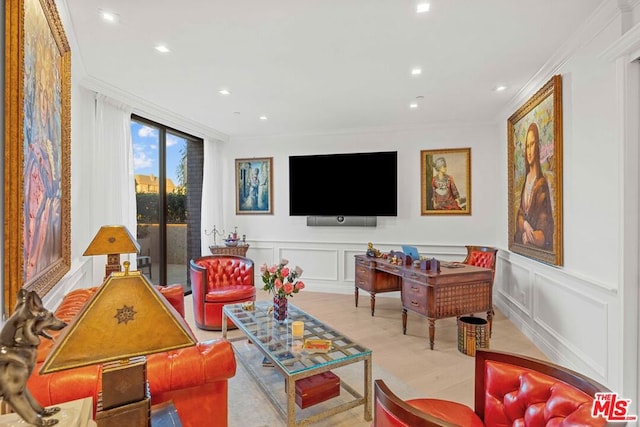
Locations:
{"points": [[472, 334]]}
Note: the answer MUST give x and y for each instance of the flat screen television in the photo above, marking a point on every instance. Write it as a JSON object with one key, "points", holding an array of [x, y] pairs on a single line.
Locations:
{"points": [[352, 184]]}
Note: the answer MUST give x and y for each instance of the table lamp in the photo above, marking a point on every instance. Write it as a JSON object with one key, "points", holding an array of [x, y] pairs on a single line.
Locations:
{"points": [[126, 319], [112, 240]]}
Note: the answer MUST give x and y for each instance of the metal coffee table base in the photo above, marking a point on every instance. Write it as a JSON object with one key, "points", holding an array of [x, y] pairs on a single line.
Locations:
{"points": [[266, 339]]}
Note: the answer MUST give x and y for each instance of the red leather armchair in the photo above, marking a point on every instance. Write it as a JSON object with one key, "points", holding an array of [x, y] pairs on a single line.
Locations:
{"points": [[481, 256], [217, 280], [510, 390], [194, 378]]}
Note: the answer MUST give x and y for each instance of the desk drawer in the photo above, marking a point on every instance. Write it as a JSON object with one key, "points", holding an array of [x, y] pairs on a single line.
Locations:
{"points": [[390, 268], [365, 261], [414, 296], [416, 275], [364, 278]]}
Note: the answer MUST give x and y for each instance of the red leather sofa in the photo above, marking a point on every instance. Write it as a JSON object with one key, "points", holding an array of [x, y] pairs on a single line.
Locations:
{"points": [[194, 378], [217, 280], [510, 390]]}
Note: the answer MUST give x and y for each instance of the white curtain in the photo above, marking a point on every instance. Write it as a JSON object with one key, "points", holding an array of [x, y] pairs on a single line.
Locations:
{"points": [[112, 166], [212, 176]]}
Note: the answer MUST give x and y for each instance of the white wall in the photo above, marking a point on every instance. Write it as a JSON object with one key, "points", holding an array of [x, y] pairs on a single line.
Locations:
{"points": [[409, 226], [326, 253], [584, 314]]}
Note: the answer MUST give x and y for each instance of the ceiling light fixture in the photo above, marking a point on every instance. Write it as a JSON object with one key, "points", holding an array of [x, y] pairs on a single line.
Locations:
{"points": [[413, 105], [109, 17], [416, 71], [500, 88], [224, 92], [263, 117], [162, 48], [423, 7]]}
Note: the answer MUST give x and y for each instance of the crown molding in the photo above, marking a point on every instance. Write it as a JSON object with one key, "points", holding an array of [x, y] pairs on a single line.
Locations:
{"points": [[626, 46], [152, 111], [592, 26]]}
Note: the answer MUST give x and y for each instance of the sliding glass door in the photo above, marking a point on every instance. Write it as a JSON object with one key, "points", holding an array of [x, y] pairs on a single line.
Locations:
{"points": [[160, 167]]}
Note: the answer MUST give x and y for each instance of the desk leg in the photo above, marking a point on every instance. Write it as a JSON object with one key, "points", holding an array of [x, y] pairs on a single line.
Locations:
{"points": [[404, 321], [432, 331], [373, 303], [355, 295], [490, 320]]}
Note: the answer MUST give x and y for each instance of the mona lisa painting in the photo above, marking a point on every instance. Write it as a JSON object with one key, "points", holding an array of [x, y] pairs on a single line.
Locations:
{"points": [[535, 175]]}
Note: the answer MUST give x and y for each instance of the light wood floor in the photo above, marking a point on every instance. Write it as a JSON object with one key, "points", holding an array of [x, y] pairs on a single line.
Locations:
{"points": [[443, 372]]}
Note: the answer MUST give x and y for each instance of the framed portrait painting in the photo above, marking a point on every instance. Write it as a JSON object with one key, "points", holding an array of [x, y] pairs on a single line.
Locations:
{"points": [[37, 250], [535, 175], [445, 182], [254, 186]]}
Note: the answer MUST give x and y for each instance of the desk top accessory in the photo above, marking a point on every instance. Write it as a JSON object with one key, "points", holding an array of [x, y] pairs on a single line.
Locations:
{"points": [[231, 240]]}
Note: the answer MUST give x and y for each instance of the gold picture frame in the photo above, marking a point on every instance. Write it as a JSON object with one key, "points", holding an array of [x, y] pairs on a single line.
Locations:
{"points": [[535, 181], [37, 227], [254, 186], [445, 182]]}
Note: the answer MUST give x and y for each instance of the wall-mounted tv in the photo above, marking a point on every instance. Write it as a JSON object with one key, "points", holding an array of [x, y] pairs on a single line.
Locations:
{"points": [[352, 184]]}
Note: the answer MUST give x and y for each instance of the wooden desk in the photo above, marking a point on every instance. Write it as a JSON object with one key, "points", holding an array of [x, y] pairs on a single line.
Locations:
{"points": [[240, 250], [373, 280], [451, 293]]}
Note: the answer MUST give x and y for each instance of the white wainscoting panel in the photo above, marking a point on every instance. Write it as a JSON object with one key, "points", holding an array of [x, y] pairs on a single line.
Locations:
{"points": [[78, 277], [516, 287], [570, 318], [349, 262], [317, 263], [581, 326], [260, 255]]}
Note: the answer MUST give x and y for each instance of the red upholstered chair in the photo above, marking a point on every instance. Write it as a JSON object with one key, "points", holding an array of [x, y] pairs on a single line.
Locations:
{"points": [[483, 256], [217, 280], [510, 390]]}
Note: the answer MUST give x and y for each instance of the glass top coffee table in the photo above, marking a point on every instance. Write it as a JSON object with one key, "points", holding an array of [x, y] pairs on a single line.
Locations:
{"points": [[272, 342]]}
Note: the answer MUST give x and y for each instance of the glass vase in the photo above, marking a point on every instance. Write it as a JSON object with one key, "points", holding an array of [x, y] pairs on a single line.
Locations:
{"points": [[280, 309]]}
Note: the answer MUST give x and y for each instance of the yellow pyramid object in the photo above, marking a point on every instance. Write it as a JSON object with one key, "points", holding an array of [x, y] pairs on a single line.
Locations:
{"points": [[126, 317], [112, 239]]}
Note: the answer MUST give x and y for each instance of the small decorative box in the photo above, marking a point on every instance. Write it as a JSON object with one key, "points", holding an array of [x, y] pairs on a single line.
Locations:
{"points": [[313, 345], [317, 388]]}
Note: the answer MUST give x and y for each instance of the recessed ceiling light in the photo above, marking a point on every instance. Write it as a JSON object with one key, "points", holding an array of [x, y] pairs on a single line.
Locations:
{"points": [[110, 17], [413, 105], [162, 48], [224, 92], [263, 117], [416, 71], [499, 88], [423, 7]]}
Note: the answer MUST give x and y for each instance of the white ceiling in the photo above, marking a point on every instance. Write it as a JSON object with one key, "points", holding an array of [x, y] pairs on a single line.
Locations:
{"points": [[321, 65]]}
